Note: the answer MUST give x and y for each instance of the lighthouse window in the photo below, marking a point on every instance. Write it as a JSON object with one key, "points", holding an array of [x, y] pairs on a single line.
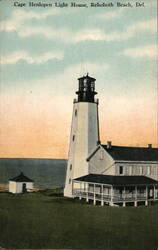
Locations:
{"points": [[73, 138], [69, 181], [92, 86], [120, 170], [85, 84], [70, 166], [75, 112]]}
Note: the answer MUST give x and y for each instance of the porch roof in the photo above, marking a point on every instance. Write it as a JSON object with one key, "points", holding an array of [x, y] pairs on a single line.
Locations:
{"points": [[117, 180]]}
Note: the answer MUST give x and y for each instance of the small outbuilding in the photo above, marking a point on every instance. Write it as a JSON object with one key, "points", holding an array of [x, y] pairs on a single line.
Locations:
{"points": [[20, 184]]}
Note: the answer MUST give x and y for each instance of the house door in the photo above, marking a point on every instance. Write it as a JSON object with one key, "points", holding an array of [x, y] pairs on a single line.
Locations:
{"points": [[24, 188]]}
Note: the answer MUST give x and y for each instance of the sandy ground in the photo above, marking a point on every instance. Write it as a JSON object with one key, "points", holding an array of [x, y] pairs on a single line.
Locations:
{"points": [[3, 187]]}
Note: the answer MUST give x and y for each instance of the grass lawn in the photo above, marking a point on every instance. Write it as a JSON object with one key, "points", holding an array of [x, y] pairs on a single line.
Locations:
{"points": [[41, 220]]}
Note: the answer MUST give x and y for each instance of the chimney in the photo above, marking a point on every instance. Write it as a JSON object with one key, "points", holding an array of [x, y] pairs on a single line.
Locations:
{"points": [[149, 145], [109, 144]]}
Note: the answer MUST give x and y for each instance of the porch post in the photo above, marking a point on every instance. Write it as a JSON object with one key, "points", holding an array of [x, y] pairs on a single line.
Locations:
{"points": [[111, 203], [94, 201], [73, 188], [146, 201], [124, 196], [154, 193], [87, 192], [80, 190], [102, 200], [135, 203]]}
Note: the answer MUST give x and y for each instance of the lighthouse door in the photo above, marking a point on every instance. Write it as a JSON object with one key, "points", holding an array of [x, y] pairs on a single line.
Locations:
{"points": [[24, 188]]}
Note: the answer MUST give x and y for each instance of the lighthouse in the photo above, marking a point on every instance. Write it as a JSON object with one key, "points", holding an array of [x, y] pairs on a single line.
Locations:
{"points": [[84, 136]]}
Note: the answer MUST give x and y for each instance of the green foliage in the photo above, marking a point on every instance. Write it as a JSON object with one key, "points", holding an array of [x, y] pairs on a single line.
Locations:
{"points": [[48, 220]]}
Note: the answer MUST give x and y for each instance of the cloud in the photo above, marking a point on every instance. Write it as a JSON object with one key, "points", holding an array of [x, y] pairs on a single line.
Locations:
{"points": [[47, 32], [19, 17], [110, 14], [18, 23], [67, 36], [71, 73], [149, 51], [77, 70], [129, 32], [23, 55], [62, 82]]}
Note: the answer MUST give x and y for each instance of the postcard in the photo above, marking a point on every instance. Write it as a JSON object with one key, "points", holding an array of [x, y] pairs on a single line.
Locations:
{"points": [[79, 124]]}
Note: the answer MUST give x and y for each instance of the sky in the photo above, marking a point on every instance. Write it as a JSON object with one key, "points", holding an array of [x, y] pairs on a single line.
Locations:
{"points": [[43, 52]]}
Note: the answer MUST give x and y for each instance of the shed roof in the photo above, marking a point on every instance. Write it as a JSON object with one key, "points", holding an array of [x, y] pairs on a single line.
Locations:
{"points": [[21, 178], [132, 153], [117, 180]]}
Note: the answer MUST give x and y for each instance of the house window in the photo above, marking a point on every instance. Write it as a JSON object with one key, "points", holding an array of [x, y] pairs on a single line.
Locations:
{"points": [[75, 112], [120, 169], [130, 170], [70, 166], [144, 170], [73, 138], [148, 170], [136, 170], [69, 180], [141, 170]]}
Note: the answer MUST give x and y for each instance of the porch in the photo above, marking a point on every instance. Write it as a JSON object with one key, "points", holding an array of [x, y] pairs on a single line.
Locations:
{"points": [[116, 193]]}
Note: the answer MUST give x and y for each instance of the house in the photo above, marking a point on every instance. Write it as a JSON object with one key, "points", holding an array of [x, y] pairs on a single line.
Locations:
{"points": [[20, 184], [119, 175], [124, 160]]}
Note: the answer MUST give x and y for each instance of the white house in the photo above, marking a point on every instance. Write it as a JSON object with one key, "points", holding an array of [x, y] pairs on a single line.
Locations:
{"points": [[120, 175], [20, 184], [124, 161]]}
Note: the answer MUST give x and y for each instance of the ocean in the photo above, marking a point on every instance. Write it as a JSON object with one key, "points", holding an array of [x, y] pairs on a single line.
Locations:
{"points": [[46, 173]]}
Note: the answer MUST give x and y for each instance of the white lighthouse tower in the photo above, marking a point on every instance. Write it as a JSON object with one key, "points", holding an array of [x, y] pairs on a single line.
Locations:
{"points": [[84, 131]]}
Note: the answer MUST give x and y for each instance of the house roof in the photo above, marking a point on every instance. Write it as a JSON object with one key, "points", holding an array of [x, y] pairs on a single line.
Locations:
{"points": [[21, 178], [132, 153], [117, 180]]}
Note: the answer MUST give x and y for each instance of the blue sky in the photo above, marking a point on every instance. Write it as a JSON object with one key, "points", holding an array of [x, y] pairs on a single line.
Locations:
{"points": [[45, 50]]}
